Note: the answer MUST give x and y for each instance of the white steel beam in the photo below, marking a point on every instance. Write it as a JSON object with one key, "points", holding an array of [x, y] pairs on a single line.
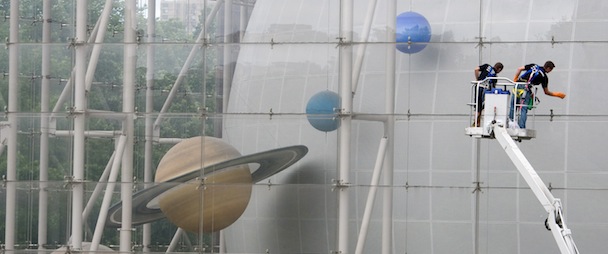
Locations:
{"points": [[387, 211], [67, 90], [128, 107], [367, 26], [13, 119], [97, 191], [103, 24], [149, 131], [107, 198], [344, 132], [44, 125], [80, 107], [174, 240], [186, 65], [371, 195]]}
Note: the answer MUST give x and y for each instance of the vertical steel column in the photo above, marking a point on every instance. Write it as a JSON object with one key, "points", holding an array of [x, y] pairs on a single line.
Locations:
{"points": [[128, 107], [476, 147], [80, 107], [44, 125], [476, 144], [67, 90], [344, 135], [13, 108], [387, 211], [226, 84], [148, 160]]}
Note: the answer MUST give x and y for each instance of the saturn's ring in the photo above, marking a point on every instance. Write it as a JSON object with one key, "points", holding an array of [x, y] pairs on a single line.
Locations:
{"points": [[144, 211]]}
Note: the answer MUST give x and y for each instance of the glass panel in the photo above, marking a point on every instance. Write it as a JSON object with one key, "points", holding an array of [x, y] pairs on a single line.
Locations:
{"points": [[266, 83]]}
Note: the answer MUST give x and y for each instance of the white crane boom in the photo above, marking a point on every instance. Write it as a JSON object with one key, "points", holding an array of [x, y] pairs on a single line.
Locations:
{"points": [[496, 117], [555, 221]]}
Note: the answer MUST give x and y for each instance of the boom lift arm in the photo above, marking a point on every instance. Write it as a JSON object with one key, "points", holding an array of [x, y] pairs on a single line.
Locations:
{"points": [[555, 221]]}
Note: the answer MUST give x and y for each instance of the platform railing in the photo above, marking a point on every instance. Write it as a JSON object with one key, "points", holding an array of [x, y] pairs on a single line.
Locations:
{"points": [[504, 84]]}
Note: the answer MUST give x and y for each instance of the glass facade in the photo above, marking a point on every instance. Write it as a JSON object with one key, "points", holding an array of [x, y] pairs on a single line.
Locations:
{"points": [[97, 93]]}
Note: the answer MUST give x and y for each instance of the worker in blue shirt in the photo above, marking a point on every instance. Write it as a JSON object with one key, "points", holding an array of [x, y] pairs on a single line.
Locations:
{"points": [[482, 72], [533, 75]]}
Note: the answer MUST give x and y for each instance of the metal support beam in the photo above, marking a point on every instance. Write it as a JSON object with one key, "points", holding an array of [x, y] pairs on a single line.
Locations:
{"points": [[344, 132], [45, 84], [80, 107], [186, 66], [13, 119], [107, 198], [371, 195], [128, 107], [149, 132], [103, 23], [367, 27], [387, 211]]}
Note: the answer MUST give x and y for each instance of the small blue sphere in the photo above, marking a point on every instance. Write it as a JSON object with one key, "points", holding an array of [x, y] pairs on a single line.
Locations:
{"points": [[413, 32], [321, 111]]}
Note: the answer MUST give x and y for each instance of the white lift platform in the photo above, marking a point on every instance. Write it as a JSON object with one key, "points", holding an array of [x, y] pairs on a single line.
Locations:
{"points": [[499, 97], [495, 127]]}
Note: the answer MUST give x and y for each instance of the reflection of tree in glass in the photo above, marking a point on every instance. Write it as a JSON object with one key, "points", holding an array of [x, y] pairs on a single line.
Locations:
{"points": [[173, 45]]}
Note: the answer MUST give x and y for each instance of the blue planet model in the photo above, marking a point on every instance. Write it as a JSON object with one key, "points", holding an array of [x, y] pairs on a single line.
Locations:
{"points": [[321, 111], [413, 32]]}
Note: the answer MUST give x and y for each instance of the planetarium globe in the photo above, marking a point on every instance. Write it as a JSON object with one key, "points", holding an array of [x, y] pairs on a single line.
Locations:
{"points": [[277, 96]]}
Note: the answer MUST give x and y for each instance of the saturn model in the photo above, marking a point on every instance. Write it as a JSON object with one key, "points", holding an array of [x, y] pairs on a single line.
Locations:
{"points": [[203, 183]]}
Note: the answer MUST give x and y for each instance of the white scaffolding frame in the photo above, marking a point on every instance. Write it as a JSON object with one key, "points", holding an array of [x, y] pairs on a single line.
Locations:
{"points": [[87, 50]]}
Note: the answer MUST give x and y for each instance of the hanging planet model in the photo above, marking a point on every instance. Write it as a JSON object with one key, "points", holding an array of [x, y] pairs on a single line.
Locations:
{"points": [[203, 184]]}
